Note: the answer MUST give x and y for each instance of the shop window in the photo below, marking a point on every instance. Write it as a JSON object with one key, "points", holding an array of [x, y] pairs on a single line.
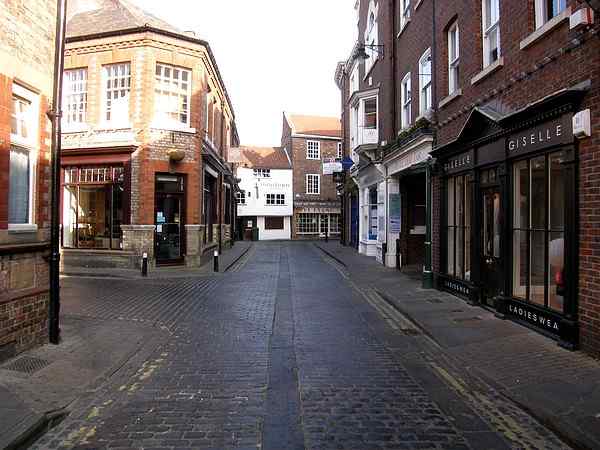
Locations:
{"points": [[459, 194], [334, 224], [74, 98], [117, 83], [370, 214], [93, 208], [307, 223], [172, 94], [546, 10], [491, 31], [274, 223], [538, 230]]}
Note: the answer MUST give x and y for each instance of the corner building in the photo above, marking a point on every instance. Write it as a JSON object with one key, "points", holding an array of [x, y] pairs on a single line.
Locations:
{"points": [[516, 183], [27, 39], [147, 125]]}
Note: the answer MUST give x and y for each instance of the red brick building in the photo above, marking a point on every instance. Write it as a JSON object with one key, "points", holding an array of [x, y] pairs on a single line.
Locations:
{"points": [[309, 140], [27, 39], [146, 131], [501, 99], [518, 151]]}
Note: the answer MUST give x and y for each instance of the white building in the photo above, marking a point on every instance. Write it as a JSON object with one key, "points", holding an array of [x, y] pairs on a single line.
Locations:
{"points": [[266, 198]]}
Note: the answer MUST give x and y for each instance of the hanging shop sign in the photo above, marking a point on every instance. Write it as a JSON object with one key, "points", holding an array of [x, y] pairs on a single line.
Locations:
{"points": [[331, 166], [461, 162], [547, 134]]}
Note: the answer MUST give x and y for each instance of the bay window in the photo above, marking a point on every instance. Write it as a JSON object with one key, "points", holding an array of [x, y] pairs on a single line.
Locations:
{"points": [[172, 93], [117, 85]]}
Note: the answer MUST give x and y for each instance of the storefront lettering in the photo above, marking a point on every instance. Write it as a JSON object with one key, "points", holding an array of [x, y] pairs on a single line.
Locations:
{"points": [[460, 162], [546, 135], [533, 317], [457, 287]]}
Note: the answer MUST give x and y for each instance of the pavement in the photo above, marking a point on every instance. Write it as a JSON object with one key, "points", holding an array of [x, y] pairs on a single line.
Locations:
{"points": [[560, 388], [227, 259], [286, 350]]}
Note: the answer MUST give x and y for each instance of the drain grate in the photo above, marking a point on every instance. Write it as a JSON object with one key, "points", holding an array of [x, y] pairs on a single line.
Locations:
{"points": [[467, 319], [26, 364]]}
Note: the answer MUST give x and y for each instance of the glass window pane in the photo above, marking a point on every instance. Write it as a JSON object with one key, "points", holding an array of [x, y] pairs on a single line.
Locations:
{"points": [[450, 202], [450, 251], [69, 216], [520, 264], [468, 199], [521, 195], [460, 248], [557, 189], [18, 198], [538, 193], [497, 227], [556, 275], [538, 260], [93, 228], [117, 217]]}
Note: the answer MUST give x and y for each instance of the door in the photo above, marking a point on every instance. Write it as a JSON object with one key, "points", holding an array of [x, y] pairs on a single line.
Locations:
{"points": [[354, 221], [491, 245], [169, 216]]}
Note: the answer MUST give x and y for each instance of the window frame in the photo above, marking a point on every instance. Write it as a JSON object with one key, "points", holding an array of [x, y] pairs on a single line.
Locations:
{"points": [[453, 63], [425, 88], [105, 93], [82, 102], [340, 153], [406, 103], [261, 173], [316, 147], [405, 13], [275, 199], [542, 14], [317, 183], [486, 31], [160, 117], [240, 198]]}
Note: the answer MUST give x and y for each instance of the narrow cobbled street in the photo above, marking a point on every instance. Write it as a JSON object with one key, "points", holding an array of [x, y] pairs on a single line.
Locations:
{"points": [[281, 352]]}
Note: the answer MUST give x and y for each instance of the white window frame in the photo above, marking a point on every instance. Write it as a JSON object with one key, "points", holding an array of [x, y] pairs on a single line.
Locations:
{"points": [[75, 99], [261, 173], [425, 83], [30, 145], [273, 199], [363, 110], [542, 15], [240, 197], [166, 85], [123, 85], [313, 150], [453, 62], [340, 154], [371, 37], [487, 31], [406, 100], [315, 183], [405, 8]]}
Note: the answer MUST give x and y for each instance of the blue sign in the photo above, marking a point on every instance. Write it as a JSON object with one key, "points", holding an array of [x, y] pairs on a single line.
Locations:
{"points": [[347, 163]]}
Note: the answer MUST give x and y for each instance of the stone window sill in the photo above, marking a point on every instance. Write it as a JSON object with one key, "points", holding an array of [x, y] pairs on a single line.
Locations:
{"points": [[450, 98], [488, 71], [545, 29], [22, 228]]}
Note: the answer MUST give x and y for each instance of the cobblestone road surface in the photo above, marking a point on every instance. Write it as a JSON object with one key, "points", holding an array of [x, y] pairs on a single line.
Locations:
{"points": [[282, 353]]}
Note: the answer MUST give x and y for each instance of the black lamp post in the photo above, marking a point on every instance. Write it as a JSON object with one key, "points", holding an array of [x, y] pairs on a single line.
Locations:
{"points": [[55, 115]]}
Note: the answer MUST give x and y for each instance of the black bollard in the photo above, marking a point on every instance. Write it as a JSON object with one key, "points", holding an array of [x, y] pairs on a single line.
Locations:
{"points": [[145, 265], [216, 261]]}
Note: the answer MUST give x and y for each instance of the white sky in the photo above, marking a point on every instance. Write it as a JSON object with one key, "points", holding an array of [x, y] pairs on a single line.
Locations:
{"points": [[274, 55]]}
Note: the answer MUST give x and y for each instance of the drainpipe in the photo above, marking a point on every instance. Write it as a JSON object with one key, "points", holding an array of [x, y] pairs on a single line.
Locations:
{"points": [[427, 267], [55, 115]]}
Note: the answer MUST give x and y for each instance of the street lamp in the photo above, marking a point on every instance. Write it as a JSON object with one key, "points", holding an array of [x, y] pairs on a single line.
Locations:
{"points": [[55, 116]]}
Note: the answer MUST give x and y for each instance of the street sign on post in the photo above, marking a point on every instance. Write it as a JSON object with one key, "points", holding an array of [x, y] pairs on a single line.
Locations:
{"points": [[347, 163]]}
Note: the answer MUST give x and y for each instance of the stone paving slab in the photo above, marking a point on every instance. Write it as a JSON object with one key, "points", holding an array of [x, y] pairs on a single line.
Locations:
{"points": [[561, 388]]}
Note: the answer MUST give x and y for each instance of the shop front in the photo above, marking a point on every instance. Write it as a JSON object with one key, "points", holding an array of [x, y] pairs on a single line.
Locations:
{"points": [[509, 219], [371, 210]]}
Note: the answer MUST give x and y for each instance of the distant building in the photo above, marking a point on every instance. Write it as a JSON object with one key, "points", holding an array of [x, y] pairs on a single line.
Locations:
{"points": [[309, 140], [27, 38], [265, 198], [147, 126]]}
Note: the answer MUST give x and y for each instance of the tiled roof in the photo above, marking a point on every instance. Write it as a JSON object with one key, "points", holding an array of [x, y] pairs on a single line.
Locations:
{"points": [[259, 157], [315, 125], [105, 16]]}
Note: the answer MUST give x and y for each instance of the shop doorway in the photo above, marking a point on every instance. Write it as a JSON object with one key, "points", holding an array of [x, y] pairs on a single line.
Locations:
{"points": [[169, 215], [492, 275]]}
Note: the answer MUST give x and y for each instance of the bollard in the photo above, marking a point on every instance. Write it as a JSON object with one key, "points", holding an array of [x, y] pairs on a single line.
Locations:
{"points": [[216, 261], [145, 265]]}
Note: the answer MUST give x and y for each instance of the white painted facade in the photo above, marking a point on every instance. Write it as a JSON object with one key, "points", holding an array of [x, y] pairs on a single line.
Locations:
{"points": [[259, 191]]}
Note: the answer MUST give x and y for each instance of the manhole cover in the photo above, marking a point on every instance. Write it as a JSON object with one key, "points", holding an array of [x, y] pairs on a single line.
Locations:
{"points": [[26, 364], [434, 300], [410, 332], [467, 319]]}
